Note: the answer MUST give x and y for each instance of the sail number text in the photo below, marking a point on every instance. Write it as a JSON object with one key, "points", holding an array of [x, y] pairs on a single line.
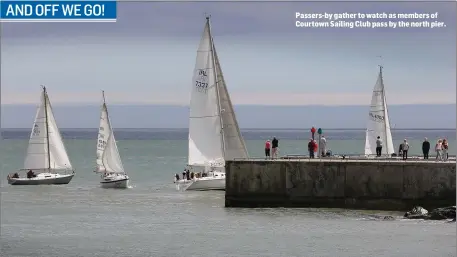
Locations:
{"points": [[202, 87], [201, 83], [376, 117], [101, 144]]}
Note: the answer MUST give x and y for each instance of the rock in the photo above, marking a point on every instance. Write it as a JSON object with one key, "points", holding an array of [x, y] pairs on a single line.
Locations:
{"points": [[388, 218], [442, 213], [416, 213], [436, 214]]}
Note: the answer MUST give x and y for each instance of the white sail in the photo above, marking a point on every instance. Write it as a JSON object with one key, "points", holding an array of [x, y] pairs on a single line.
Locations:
{"points": [[103, 134], [45, 135], [205, 130], [378, 121], [235, 146], [111, 158], [37, 151], [108, 158]]}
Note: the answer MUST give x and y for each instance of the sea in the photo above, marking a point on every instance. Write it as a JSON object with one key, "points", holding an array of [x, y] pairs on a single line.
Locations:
{"points": [[152, 218]]}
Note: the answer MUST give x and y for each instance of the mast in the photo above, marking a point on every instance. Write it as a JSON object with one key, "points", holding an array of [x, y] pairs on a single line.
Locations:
{"points": [[104, 108], [45, 95], [216, 80], [384, 106], [107, 114]]}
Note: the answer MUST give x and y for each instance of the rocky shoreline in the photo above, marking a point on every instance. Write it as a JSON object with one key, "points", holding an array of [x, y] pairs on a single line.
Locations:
{"points": [[443, 213]]}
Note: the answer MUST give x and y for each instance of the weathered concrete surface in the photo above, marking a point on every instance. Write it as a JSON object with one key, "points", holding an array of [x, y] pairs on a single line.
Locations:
{"points": [[377, 185]]}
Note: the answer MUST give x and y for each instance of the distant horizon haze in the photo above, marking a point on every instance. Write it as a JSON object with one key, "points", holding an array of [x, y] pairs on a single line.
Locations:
{"points": [[141, 116]]}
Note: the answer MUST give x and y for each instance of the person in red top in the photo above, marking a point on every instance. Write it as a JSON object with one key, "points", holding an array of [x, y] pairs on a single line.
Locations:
{"points": [[311, 148], [315, 146], [267, 149]]}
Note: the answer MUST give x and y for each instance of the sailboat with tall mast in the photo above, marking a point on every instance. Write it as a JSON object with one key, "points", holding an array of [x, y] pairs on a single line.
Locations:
{"points": [[47, 160], [214, 135], [108, 161], [378, 121]]}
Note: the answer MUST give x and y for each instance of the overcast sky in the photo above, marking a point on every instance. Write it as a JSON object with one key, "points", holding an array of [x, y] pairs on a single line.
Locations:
{"points": [[148, 55]]}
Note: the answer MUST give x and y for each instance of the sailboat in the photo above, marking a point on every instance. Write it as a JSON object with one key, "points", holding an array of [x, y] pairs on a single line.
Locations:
{"points": [[378, 121], [46, 157], [108, 159], [214, 135]]}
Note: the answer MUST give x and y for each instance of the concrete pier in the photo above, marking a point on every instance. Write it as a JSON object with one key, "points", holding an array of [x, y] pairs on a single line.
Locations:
{"points": [[336, 183]]}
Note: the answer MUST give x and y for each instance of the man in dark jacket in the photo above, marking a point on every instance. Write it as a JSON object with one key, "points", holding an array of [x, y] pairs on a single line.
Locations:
{"points": [[311, 148], [425, 148], [274, 147]]}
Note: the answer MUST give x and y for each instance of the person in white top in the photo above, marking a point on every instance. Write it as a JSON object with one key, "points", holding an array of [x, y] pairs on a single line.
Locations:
{"points": [[323, 146], [405, 149], [439, 150]]}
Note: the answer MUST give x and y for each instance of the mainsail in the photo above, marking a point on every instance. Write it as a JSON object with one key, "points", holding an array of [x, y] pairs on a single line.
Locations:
{"points": [[214, 135], [108, 158], [378, 121], [46, 150]]}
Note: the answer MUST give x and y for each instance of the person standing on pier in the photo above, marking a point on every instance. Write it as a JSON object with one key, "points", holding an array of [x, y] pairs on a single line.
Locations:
{"points": [[425, 148], [445, 148], [439, 149], [378, 146], [315, 148], [274, 146], [267, 149], [323, 146], [311, 148], [405, 148]]}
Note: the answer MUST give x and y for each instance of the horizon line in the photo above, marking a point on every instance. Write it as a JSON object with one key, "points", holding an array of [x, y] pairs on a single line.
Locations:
{"points": [[259, 129], [187, 105]]}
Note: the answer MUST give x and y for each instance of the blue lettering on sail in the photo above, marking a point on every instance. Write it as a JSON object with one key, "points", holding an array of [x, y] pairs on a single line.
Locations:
{"points": [[376, 117], [201, 83]]}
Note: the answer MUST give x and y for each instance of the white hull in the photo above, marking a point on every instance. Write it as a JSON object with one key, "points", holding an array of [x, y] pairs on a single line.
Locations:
{"points": [[115, 181], [216, 181], [42, 179]]}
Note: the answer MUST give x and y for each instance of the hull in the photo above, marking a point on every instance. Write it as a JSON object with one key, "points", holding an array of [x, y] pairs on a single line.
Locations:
{"points": [[42, 179], [121, 181], [201, 184]]}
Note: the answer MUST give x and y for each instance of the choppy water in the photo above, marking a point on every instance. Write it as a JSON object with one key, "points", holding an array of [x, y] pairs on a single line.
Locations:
{"points": [[153, 219]]}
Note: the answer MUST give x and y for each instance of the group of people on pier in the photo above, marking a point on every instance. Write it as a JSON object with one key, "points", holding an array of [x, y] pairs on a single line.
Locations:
{"points": [[314, 149]]}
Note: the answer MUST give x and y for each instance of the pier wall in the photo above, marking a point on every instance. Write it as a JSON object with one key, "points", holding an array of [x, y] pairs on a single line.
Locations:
{"points": [[377, 185]]}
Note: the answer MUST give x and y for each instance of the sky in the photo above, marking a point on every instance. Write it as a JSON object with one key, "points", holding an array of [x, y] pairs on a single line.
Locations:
{"points": [[148, 56]]}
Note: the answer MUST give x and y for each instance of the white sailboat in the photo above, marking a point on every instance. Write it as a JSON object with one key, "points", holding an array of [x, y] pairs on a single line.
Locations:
{"points": [[378, 121], [108, 159], [214, 135], [47, 160]]}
